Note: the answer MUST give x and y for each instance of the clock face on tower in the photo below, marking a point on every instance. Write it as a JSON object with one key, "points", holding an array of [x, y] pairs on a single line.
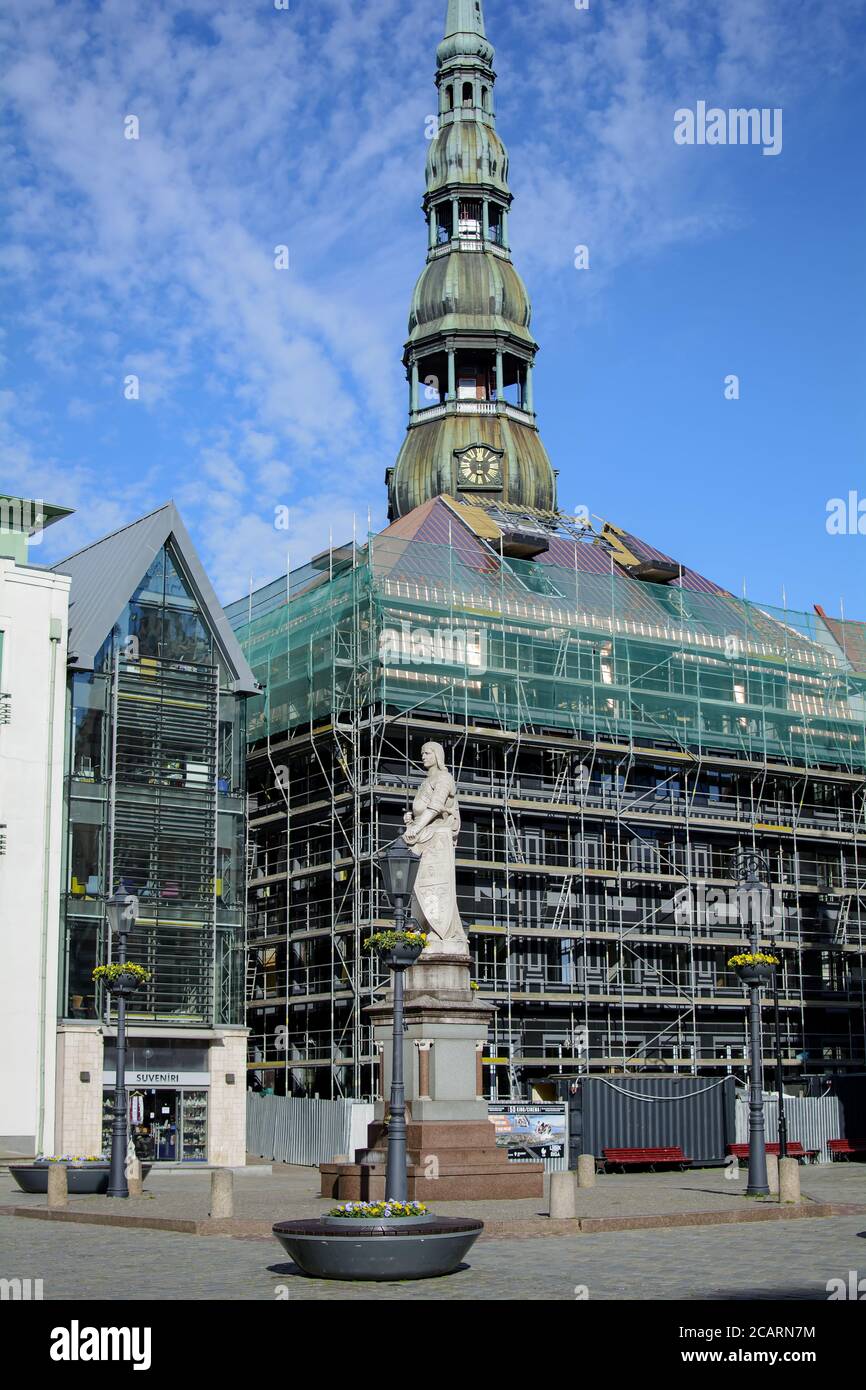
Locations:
{"points": [[479, 466]]}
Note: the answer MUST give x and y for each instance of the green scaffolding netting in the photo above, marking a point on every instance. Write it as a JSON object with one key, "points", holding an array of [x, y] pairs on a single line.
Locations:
{"points": [[456, 630]]}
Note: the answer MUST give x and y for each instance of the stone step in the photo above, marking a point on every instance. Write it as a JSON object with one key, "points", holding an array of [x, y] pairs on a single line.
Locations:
{"points": [[490, 1157], [435, 1136], [352, 1182]]}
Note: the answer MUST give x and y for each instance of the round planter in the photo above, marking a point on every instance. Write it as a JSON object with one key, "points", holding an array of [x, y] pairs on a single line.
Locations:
{"points": [[374, 1222], [400, 957], [414, 1248], [755, 974], [82, 1179]]}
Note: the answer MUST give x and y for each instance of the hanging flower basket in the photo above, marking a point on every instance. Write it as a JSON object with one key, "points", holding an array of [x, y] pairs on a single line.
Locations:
{"points": [[121, 980], [397, 949], [754, 968]]}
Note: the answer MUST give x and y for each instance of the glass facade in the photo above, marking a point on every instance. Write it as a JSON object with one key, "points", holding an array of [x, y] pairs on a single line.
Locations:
{"points": [[155, 802]]}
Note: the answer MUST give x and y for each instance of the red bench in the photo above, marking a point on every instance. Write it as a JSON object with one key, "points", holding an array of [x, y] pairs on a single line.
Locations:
{"points": [[652, 1158], [795, 1150], [844, 1148]]}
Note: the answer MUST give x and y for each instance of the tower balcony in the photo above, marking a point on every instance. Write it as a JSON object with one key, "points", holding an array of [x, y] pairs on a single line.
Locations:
{"points": [[443, 408], [469, 243]]}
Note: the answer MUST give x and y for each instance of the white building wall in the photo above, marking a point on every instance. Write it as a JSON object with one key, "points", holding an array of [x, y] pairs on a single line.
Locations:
{"points": [[34, 621]]}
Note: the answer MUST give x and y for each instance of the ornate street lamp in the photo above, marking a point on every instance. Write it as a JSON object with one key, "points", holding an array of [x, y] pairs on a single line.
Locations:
{"points": [[121, 910], [780, 1080], [399, 865], [399, 868], [752, 873]]}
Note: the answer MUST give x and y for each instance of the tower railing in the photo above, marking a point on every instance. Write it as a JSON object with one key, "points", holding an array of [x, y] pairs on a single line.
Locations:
{"points": [[469, 243], [442, 408]]}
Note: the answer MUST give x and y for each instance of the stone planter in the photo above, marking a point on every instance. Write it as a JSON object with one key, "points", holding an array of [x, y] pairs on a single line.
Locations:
{"points": [[82, 1179], [418, 1247], [397, 957], [752, 975]]}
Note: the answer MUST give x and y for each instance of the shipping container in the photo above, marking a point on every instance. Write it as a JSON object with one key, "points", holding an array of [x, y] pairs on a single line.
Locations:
{"points": [[695, 1113]]}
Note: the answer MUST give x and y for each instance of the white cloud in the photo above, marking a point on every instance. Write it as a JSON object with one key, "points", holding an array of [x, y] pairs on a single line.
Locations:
{"points": [[261, 127]]}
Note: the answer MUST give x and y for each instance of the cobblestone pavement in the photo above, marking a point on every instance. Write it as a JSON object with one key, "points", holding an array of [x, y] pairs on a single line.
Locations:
{"points": [[293, 1192], [790, 1260]]}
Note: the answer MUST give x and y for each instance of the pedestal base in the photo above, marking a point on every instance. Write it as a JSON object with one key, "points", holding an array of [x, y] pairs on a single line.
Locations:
{"points": [[451, 1144], [450, 1161]]}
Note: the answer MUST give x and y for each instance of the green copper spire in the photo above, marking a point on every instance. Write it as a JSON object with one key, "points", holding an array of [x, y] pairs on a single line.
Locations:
{"points": [[464, 34], [464, 17], [470, 353]]}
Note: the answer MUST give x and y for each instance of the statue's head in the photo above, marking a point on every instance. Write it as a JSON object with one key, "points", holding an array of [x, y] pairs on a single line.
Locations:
{"points": [[433, 755]]}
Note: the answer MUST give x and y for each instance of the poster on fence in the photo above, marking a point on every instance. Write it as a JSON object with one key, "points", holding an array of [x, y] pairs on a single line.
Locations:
{"points": [[530, 1131]]}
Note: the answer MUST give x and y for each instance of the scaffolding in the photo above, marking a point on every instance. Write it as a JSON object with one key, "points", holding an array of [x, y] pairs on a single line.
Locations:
{"points": [[613, 741]]}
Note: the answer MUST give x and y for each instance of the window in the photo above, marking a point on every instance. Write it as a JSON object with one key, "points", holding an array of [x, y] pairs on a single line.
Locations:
{"points": [[471, 212], [162, 619], [701, 865], [468, 94], [82, 941], [85, 879], [88, 718]]}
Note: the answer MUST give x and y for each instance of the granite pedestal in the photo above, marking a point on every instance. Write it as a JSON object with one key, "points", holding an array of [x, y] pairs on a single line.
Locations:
{"points": [[451, 1143]]}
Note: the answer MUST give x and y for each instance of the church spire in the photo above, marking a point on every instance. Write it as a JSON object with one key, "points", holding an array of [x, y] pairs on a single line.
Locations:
{"points": [[464, 17], [465, 43], [470, 354]]}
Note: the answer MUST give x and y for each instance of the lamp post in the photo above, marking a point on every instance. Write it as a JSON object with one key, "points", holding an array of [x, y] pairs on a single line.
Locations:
{"points": [[783, 1121], [121, 909], [752, 891], [399, 868]]}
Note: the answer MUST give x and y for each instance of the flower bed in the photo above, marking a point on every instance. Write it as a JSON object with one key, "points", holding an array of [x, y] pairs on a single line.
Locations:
{"points": [[358, 1211]]}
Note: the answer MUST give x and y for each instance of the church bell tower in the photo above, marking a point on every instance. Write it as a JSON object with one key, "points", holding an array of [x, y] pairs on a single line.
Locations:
{"points": [[470, 354]]}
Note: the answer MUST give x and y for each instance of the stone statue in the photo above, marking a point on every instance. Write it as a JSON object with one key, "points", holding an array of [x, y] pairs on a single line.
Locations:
{"points": [[431, 831]]}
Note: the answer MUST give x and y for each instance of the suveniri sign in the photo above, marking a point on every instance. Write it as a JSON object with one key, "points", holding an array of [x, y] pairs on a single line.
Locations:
{"points": [[160, 1078]]}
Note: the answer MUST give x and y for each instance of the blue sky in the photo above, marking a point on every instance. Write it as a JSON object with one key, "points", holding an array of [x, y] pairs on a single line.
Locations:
{"points": [[263, 388]]}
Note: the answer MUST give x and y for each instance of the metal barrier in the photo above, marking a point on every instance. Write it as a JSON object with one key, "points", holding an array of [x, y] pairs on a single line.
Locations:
{"points": [[812, 1120], [288, 1129]]}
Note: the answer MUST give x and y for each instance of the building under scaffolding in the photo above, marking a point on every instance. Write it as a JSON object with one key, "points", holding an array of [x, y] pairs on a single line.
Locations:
{"points": [[614, 739], [617, 725]]}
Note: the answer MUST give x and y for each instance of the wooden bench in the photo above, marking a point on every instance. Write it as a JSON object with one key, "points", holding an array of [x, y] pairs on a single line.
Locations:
{"points": [[794, 1147], [844, 1148], [652, 1158]]}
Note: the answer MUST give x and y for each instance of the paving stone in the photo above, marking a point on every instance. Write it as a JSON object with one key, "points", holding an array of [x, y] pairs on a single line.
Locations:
{"points": [[790, 1260]]}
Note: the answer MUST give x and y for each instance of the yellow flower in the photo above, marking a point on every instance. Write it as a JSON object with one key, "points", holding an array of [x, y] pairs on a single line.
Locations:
{"points": [[753, 958]]}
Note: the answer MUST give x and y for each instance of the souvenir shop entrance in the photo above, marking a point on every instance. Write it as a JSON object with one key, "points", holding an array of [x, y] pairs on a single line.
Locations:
{"points": [[167, 1124]]}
